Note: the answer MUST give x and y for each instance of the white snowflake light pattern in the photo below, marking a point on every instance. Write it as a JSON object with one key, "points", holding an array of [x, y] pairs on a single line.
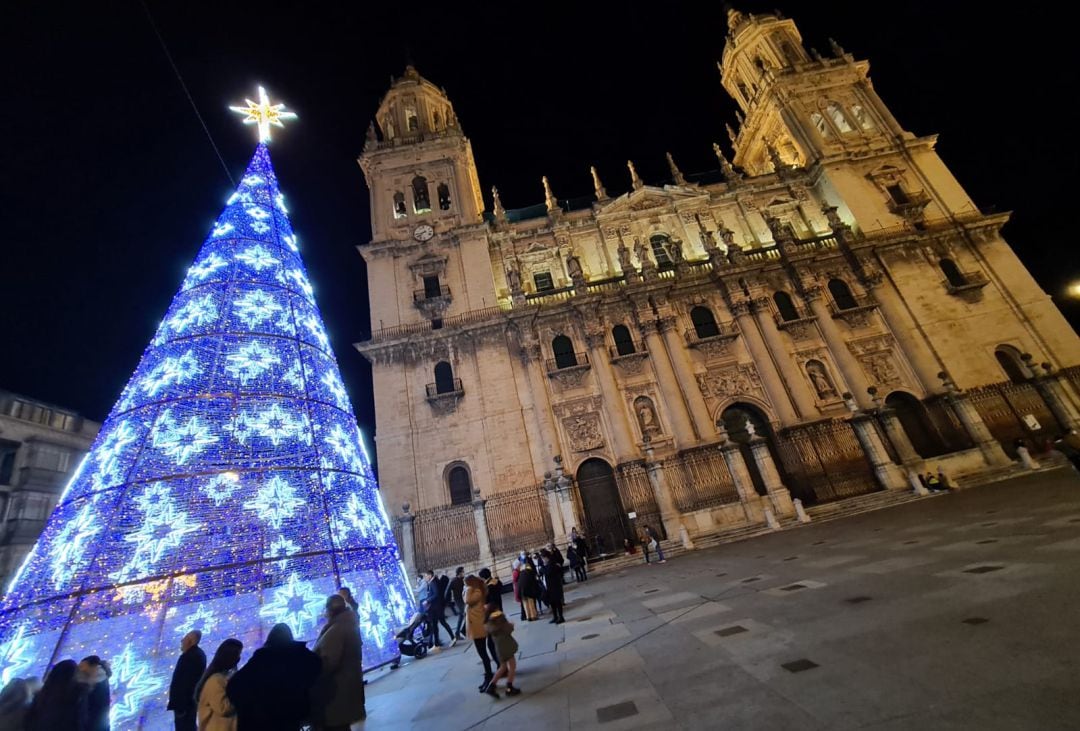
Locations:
{"points": [[221, 229], [201, 619], [170, 371], [297, 604], [333, 383], [250, 361], [181, 442], [69, 546], [291, 242], [295, 375], [220, 488], [297, 277], [375, 619], [15, 656], [275, 501], [240, 196], [280, 549], [256, 307], [398, 605], [258, 258], [259, 214], [259, 227], [108, 455], [279, 201], [367, 523], [316, 329], [206, 267], [162, 530], [273, 423], [133, 683], [198, 311], [343, 443]]}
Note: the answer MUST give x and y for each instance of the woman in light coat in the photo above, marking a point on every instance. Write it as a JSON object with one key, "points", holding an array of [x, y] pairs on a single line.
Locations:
{"points": [[475, 614], [215, 711]]}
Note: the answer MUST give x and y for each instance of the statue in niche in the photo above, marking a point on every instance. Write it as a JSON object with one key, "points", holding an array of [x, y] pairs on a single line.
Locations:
{"points": [[675, 250], [573, 268], [646, 416], [820, 378], [513, 279]]}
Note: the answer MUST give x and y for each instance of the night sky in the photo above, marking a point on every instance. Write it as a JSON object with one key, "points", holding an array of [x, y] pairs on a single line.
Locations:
{"points": [[109, 184]]}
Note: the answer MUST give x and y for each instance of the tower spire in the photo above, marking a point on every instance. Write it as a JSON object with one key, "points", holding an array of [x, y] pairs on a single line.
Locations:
{"points": [[635, 180], [675, 172], [598, 188], [549, 197]]}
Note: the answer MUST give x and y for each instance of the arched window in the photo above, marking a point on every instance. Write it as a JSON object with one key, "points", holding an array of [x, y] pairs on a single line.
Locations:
{"points": [[412, 121], [421, 201], [460, 485], [1009, 359], [660, 248], [861, 117], [624, 344], [444, 197], [444, 378], [704, 322], [838, 118], [563, 348], [399, 205], [952, 272], [821, 125], [841, 295], [742, 90], [785, 306]]}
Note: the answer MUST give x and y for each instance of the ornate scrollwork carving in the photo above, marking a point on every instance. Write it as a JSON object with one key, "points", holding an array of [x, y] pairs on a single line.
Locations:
{"points": [[735, 380]]}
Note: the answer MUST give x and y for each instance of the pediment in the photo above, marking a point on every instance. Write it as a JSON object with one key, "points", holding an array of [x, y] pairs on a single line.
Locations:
{"points": [[645, 199], [428, 264]]}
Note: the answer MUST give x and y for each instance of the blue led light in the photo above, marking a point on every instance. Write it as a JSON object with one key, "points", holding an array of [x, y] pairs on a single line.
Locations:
{"points": [[227, 491]]}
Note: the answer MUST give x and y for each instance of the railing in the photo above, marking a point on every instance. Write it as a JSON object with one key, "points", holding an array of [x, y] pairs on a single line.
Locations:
{"points": [[465, 318], [550, 295], [862, 304], [783, 324], [972, 281], [700, 479], [762, 255], [434, 392], [637, 348], [420, 295], [518, 519], [824, 461], [913, 203], [824, 241], [637, 495], [557, 364], [724, 331], [445, 536]]}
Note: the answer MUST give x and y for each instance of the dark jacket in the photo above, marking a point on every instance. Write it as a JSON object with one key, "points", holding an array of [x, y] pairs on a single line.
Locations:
{"points": [[553, 579], [455, 591], [189, 668], [272, 692], [572, 557], [529, 582], [444, 583], [338, 695], [557, 556], [97, 699], [65, 711], [494, 593]]}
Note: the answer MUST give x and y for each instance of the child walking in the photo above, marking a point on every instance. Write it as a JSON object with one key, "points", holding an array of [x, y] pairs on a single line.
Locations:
{"points": [[502, 630]]}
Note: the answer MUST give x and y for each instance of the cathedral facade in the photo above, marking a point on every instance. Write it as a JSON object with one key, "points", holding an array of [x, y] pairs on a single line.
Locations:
{"points": [[825, 315]]}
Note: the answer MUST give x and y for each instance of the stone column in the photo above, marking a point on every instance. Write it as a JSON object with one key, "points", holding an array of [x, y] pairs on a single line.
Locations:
{"points": [[669, 388], [837, 342], [778, 494], [1053, 393], [886, 471], [894, 430], [534, 367], [408, 542], [676, 348], [744, 484], [915, 348], [766, 367], [563, 484], [558, 529], [482, 537], [976, 428], [669, 515], [796, 386], [531, 419], [622, 436]]}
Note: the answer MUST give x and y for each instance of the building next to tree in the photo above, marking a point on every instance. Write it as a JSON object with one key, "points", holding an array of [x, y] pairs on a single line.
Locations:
{"points": [[824, 314]]}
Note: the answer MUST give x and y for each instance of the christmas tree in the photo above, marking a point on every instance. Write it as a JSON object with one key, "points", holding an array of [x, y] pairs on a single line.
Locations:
{"points": [[228, 489]]}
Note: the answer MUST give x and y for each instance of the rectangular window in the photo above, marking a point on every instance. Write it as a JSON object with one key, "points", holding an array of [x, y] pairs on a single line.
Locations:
{"points": [[898, 194], [660, 253], [432, 288], [7, 462], [543, 281]]}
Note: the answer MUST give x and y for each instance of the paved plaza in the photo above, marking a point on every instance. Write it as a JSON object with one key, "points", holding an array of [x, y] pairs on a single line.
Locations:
{"points": [[956, 611]]}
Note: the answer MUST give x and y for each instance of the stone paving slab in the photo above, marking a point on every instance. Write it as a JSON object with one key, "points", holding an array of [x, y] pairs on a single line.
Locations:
{"points": [[965, 629]]}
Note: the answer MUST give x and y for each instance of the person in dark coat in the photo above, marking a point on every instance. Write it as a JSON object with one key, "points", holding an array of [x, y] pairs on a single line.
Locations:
{"points": [[529, 587], [189, 668], [553, 580], [272, 692], [61, 703], [455, 597], [338, 695], [94, 674], [576, 563]]}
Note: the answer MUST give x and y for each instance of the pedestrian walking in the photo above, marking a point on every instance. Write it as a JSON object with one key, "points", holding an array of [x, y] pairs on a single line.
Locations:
{"points": [[60, 705], [216, 713], [272, 692], [338, 696], [554, 583], [502, 629], [94, 674], [189, 668], [654, 543], [431, 604], [492, 602], [455, 593], [475, 597], [577, 565]]}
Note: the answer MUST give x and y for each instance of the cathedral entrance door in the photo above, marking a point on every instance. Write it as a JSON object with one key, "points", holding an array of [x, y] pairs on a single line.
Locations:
{"points": [[736, 418], [605, 519]]}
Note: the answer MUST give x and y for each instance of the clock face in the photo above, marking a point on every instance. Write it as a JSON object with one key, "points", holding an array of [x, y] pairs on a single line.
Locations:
{"points": [[423, 232]]}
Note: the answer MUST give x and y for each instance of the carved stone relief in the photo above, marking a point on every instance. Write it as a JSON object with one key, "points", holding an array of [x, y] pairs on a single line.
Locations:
{"points": [[580, 420], [572, 377], [877, 357], [741, 379]]}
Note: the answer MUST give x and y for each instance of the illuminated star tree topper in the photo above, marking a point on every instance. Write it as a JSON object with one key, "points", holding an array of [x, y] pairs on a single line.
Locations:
{"points": [[264, 114]]}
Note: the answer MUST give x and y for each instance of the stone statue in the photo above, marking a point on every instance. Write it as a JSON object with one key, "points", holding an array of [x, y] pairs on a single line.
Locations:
{"points": [[646, 415], [513, 278], [573, 267], [818, 376], [751, 430], [625, 263], [675, 249]]}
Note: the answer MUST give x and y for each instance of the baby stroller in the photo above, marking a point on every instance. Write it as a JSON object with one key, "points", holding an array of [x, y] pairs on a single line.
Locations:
{"points": [[414, 640]]}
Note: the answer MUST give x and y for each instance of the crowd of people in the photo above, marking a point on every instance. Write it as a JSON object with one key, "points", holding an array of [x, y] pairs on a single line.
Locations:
{"points": [[283, 687]]}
